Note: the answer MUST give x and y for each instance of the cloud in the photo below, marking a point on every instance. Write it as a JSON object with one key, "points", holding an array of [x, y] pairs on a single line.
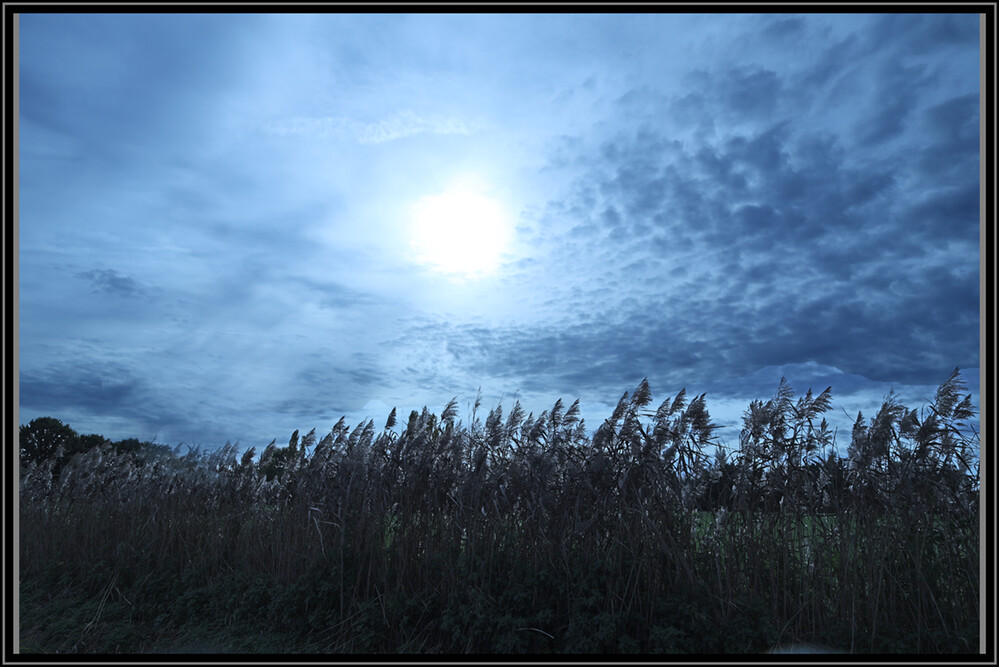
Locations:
{"points": [[922, 34], [952, 140], [112, 282], [92, 394], [788, 29], [336, 296], [101, 388], [400, 125], [890, 111], [750, 92], [779, 228]]}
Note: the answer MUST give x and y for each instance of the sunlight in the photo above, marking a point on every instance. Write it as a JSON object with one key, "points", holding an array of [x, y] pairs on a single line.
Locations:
{"points": [[459, 232]]}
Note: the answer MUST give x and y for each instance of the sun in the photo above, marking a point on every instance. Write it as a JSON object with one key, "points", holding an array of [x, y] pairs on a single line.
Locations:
{"points": [[459, 232]]}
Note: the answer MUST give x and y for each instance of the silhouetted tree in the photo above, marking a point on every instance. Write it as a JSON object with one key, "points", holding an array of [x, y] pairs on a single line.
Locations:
{"points": [[84, 443], [44, 438]]}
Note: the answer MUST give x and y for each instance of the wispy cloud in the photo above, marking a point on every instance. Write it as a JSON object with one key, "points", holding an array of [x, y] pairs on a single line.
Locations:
{"points": [[397, 126]]}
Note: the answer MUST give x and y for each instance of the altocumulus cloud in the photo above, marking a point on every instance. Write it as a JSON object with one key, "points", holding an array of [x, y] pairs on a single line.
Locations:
{"points": [[786, 240]]}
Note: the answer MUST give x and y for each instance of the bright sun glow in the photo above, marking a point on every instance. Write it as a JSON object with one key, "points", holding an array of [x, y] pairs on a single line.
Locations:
{"points": [[460, 232]]}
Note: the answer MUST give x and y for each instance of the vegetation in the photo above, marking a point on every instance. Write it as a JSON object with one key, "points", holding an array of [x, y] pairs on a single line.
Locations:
{"points": [[517, 535]]}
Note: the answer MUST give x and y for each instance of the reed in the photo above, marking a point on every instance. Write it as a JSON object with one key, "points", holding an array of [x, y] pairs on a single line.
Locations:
{"points": [[521, 534]]}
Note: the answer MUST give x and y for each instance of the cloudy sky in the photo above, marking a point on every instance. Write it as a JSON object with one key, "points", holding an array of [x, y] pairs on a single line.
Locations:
{"points": [[232, 227]]}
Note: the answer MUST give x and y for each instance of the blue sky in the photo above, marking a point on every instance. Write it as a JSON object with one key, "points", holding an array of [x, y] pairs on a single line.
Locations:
{"points": [[232, 227]]}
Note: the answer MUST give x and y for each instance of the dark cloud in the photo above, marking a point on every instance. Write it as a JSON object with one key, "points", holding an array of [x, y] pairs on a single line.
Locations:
{"points": [[113, 391], [945, 212], [100, 388], [898, 89], [951, 145], [750, 92], [594, 357], [813, 242], [836, 63], [921, 34], [784, 29], [112, 282], [954, 123], [735, 95]]}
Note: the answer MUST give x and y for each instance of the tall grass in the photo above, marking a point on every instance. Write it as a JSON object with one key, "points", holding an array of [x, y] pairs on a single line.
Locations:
{"points": [[522, 534]]}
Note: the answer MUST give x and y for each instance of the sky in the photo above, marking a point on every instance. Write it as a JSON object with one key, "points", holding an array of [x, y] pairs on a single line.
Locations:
{"points": [[236, 226]]}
